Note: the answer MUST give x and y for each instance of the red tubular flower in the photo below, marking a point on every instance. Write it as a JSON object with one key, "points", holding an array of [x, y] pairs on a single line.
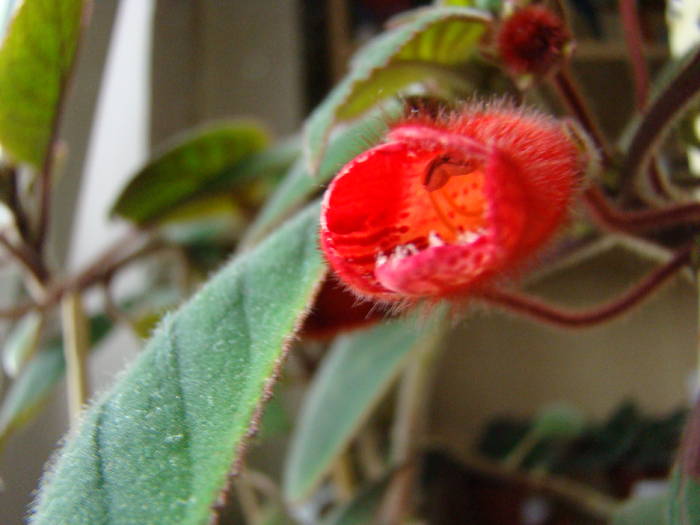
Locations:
{"points": [[532, 40], [446, 205], [336, 310]]}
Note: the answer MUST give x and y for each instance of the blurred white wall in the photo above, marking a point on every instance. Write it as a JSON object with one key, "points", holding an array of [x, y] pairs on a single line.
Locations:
{"points": [[119, 138]]}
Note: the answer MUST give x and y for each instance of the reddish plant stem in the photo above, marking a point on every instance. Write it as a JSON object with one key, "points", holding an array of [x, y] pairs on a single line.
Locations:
{"points": [[17, 312], [46, 174], [103, 266], [633, 38], [667, 106], [542, 311], [27, 258], [610, 218], [657, 181], [570, 94], [14, 203]]}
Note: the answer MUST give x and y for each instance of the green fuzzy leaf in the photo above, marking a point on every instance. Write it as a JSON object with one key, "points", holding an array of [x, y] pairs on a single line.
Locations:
{"points": [[425, 47], [362, 509], [357, 372], [35, 61], [188, 167], [298, 185], [159, 446], [651, 510], [30, 390]]}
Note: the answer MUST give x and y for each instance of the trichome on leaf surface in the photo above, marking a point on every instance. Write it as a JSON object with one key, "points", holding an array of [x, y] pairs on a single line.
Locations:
{"points": [[461, 163]]}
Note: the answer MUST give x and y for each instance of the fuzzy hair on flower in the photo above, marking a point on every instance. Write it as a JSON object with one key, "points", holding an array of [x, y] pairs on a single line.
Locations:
{"points": [[448, 204]]}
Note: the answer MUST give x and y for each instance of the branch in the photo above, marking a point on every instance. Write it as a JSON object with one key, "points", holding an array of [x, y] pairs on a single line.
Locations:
{"points": [[14, 203], [45, 181], [667, 106], [17, 312], [570, 94], [27, 258], [633, 39], [576, 494], [107, 263], [542, 311], [610, 218]]}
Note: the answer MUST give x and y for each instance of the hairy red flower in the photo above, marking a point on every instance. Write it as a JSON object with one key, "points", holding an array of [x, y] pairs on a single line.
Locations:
{"points": [[532, 40], [446, 205]]}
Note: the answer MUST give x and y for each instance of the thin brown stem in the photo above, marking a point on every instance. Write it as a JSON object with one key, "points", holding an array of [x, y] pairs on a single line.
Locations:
{"points": [[104, 265], [570, 94], [658, 181], [592, 502], [111, 307], [409, 430], [635, 47], [46, 174], [26, 258], [14, 203], [667, 106], [250, 506], [343, 475], [640, 221], [539, 310], [16, 312]]}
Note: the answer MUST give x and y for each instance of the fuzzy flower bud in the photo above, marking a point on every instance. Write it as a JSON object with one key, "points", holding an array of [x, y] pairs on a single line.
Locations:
{"points": [[448, 204], [532, 40]]}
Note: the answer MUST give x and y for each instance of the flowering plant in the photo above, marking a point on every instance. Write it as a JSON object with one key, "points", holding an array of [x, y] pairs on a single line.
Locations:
{"points": [[459, 161]]}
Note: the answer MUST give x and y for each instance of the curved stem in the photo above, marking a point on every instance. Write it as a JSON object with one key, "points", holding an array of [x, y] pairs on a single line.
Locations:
{"points": [[638, 221], [16, 312], [585, 498], [666, 107], [633, 38], [27, 258], [542, 311], [570, 94], [409, 429], [14, 203], [107, 263]]}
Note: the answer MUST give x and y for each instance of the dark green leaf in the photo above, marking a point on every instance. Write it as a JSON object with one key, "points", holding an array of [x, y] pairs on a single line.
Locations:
{"points": [[651, 510], [159, 446], [426, 47], [35, 61], [353, 378], [186, 168], [36, 382]]}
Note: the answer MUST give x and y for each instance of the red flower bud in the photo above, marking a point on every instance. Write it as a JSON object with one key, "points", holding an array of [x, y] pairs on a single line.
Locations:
{"points": [[446, 205], [532, 40]]}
